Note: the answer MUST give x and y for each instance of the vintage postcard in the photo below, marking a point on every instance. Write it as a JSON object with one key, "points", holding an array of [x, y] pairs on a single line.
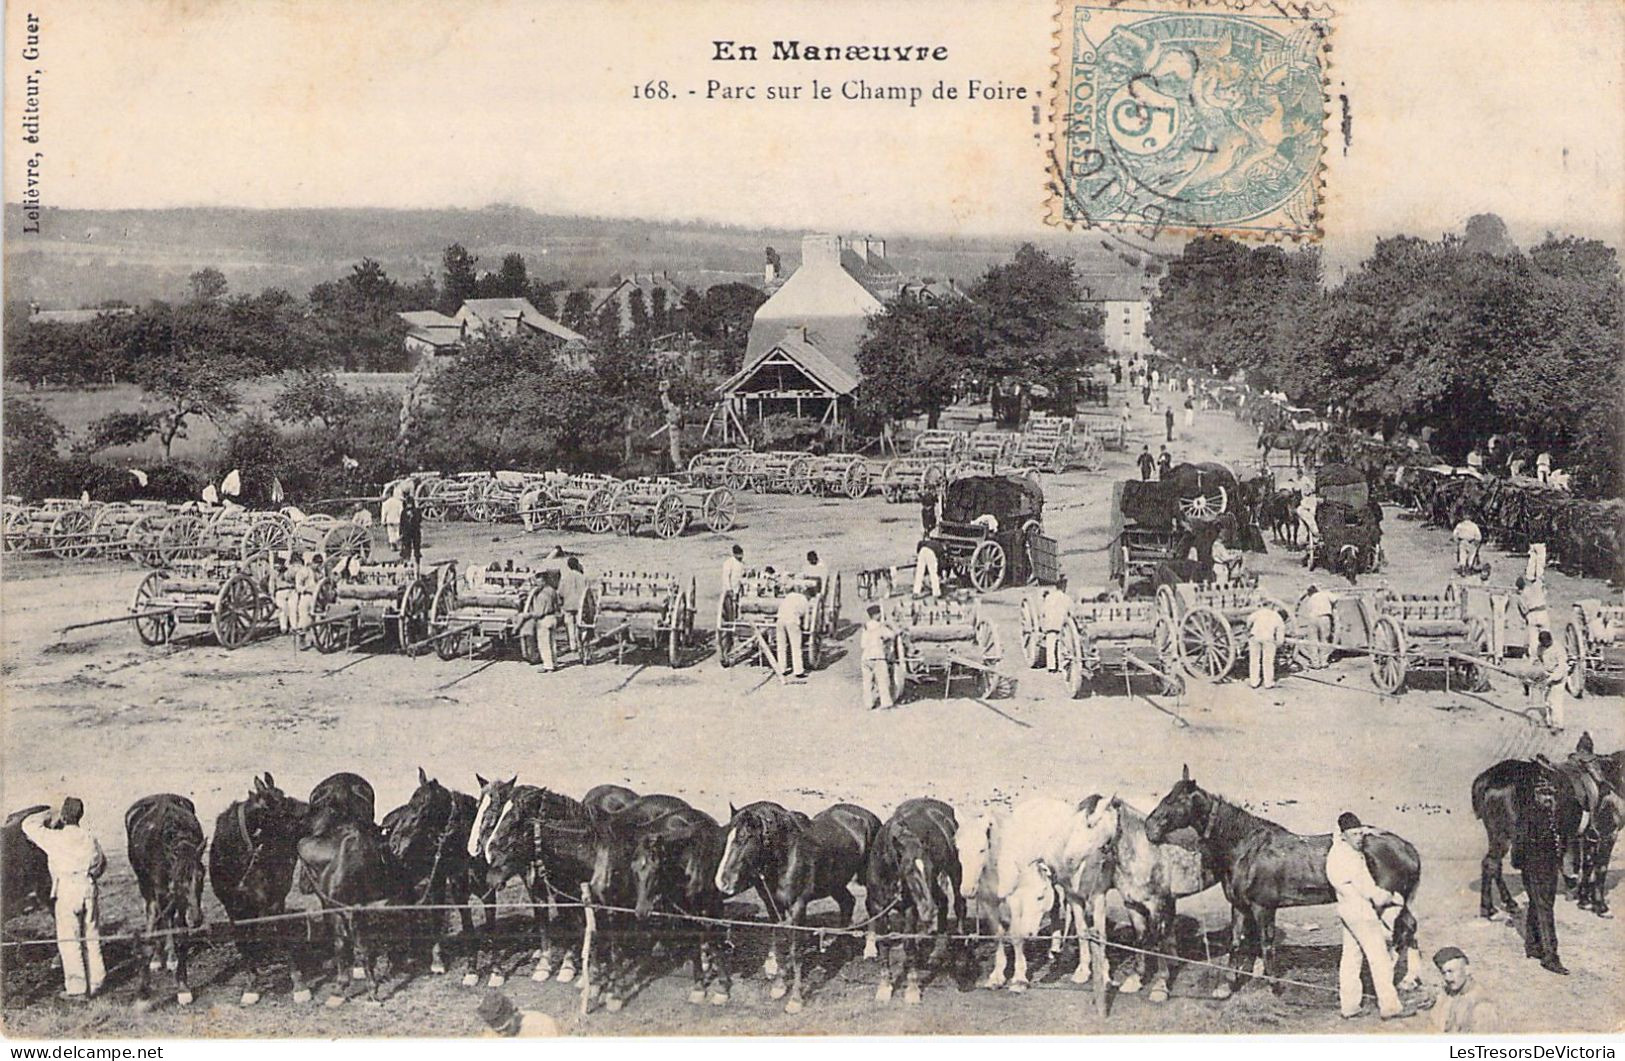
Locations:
{"points": [[720, 518]]}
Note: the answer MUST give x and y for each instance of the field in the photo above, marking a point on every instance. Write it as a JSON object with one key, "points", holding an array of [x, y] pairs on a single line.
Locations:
{"points": [[77, 407], [100, 716]]}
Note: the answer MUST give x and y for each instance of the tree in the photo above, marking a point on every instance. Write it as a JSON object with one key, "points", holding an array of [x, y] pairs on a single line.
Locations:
{"points": [[512, 279], [207, 285], [724, 316], [912, 355], [578, 311], [187, 385], [659, 312], [546, 303], [1033, 323], [355, 319], [315, 397], [642, 334], [459, 280], [29, 453]]}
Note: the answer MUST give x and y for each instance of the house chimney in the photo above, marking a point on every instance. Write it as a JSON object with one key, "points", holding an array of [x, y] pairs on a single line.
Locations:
{"points": [[821, 251]]}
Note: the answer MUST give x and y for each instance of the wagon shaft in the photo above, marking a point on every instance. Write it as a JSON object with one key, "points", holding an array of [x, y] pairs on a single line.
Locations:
{"points": [[230, 599]]}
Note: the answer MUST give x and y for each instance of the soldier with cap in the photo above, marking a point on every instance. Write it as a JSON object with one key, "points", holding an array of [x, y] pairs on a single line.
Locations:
{"points": [[1538, 853], [506, 1020], [1463, 1007], [76, 863], [1367, 911]]}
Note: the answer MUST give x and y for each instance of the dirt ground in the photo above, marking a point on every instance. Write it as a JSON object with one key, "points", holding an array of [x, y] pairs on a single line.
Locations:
{"points": [[102, 716]]}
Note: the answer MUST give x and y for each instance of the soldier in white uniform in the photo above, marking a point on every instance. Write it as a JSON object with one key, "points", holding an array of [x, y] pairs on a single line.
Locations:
{"points": [[792, 623], [1366, 911], [76, 863], [1056, 609], [876, 660]]}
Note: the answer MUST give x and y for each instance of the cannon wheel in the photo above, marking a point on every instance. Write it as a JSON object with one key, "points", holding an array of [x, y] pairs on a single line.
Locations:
{"points": [[235, 610], [1469, 674], [346, 539], [70, 534], [800, 476], [329, 637], [15, 533], [1205, 506], [987, 566], [1388, 652], [153, 629], [267, 535], [412, 621], [987, 677], [1168, 603], [832, 620], [1074, 647], [736, 473], [857, 480], [675, 638], [718, 510], [597, 518], [1032, 640], [670, 516], [179, 538], [142, 538], [727, 615], [1575, 647], [1162, 642], [1207, 648], [445, 602]]}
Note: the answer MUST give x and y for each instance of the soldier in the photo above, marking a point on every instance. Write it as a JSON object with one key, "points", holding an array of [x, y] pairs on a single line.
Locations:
{"points": [[307, 579], [1366, 909], [1265, 630], [876, 661], [791, 623], [77, 863], [545, 619], [1538, 853], [1055, 610]]}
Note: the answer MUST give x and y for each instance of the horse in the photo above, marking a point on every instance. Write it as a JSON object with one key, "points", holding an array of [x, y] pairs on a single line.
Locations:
{"points": [[1148, 877], [792, 860], [345, 863], [1285, 438], [425, 840], [511, 826], [913, 871], [165, 846], [1264, 866], [25, 872], [251, 864], [1279, 512], [1015, 914], [674, 865], [1590, 811]]}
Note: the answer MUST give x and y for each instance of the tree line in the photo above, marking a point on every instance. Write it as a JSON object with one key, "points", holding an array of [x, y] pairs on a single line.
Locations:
{"points": [[1467, 335]]}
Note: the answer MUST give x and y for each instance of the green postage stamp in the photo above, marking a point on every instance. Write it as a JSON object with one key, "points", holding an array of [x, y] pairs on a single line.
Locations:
{"points": [[1190, 118]]}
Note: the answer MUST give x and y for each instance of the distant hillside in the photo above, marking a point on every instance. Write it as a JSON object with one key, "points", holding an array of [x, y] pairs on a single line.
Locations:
{"points": [[87, 256]]}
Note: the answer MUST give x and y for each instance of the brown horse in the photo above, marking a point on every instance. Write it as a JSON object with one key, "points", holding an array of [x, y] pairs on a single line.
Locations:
{"points": [[674, 867], [913, 874], [792, 860], [426, 838], [345, 863], [1264, 866], [164, 840], [251, 865]]}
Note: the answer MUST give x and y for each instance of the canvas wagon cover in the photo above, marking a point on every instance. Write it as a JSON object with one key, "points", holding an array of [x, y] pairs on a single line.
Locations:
{"points": [[1009, 500], [1343, 484], [1156, 504]]}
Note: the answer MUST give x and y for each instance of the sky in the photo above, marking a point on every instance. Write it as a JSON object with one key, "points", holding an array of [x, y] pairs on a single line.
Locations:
{"points": [[1458, 108]]}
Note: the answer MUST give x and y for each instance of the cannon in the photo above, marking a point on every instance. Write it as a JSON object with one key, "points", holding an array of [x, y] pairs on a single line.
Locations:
{"points": [[486, 604], [842, 475], [779, 472], [912, 478], [1209, 624], [711, 505], [632, 609], [1594, 639], [358, 603], [942, 638], [1415, 632], [243, 535], [334, 538], [746, 619], [585, 501], [940, 443], [1111, 636], [710, 467], [500, 495], [59, 526], [231, 599], [456, 497], [649, 504]]}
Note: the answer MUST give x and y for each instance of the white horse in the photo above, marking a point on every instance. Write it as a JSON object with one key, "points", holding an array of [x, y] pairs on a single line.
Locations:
{"points": [[1013, 918]]}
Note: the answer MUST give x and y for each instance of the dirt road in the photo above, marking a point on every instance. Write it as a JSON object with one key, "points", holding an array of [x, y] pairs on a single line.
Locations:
{"points": [[103, 717]]}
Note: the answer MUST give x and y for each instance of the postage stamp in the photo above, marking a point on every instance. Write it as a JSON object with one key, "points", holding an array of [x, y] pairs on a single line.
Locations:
{"points": [[1190, 118]]}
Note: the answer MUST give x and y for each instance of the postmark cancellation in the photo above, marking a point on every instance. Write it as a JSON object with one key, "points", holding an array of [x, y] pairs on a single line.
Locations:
{"points": [[1190, 118]]}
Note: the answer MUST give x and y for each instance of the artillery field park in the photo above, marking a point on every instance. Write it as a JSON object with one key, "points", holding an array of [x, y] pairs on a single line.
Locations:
{"points": [[113, 720]]}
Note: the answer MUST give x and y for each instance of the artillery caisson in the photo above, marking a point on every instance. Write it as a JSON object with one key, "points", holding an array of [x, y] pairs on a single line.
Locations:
{"points": [[1106, 637], [942, 638], [748, 616], [359, 603], [585, 501], [1414, 632], [710, 467], [243, 535], [486, 605], [650, 504], [1209, 624], [632, 609], [940, 443], [230, 599], [711, 505], [1046, 443], [1594, 639], [59, 526], [912, 478], [778, 472], [842, 475]]}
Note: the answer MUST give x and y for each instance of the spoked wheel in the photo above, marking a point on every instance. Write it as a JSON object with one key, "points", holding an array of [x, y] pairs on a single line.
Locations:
{"points": [[1205, 506], [892, 492], [1388, 652], [674, 645], [1574, 644], [412, 619], [670, 516], [598, 518], [832, 614], [718, 511], [70, 534], [152, 629], [328, 637], [799, 476], [235, 609], [347, 539], [265, 536], [1032, 639], [142, 539], [1163, 643], [1206, 647], [1074, 651], [179, 539], [1167, 603], [987, 566], [855, 483], [440, 619], [1470, 675]]}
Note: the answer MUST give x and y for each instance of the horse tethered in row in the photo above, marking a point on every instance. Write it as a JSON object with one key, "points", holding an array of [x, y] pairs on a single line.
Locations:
{"points": [[1594, 639], [747, 619], [944, 638], [359, 604], [638, 609], [1106, 637], [490, 605], [992, 532], [229, 598]]}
